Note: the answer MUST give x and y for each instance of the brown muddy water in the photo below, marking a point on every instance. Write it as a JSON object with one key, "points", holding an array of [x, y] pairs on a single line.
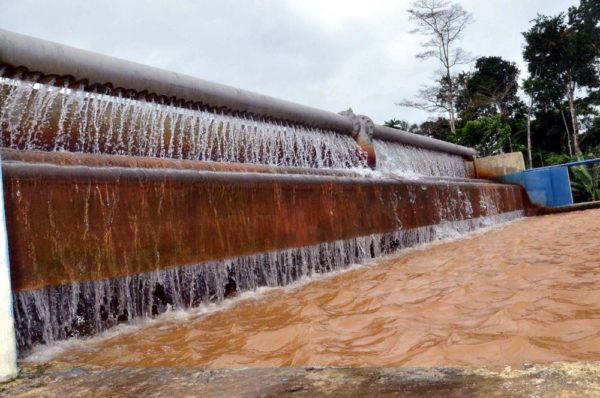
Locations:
{"points": [[528, 291]]}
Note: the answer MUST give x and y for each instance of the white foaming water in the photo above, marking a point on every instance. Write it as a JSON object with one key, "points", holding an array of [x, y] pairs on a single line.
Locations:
{"points": [[45, 353], [414, 239], [413, 162], [36, 116]]}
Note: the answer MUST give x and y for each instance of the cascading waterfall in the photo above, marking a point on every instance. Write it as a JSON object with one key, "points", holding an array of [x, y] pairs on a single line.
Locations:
{"points": [[38, 116], [35, 116], [56, 313], [413, 162]]}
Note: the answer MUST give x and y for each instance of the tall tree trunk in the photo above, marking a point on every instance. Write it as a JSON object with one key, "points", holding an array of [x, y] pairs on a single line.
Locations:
{"points": [[571, 98], [567, 130], [529, 156], [504, 121], [450, 100], [451, 119]]}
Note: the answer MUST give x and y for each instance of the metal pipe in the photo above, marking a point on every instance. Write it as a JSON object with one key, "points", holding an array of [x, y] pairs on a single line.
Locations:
{"points": [[53, 59]]}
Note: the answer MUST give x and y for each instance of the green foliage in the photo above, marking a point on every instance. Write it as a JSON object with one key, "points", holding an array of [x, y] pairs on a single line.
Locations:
{"points": [[558, 158], [563, 54], [561, 50], [562, 90], [490, 89], [590, 141], [489, 135], [401, 125], [584, 183], [549, 132], [439, 129]]}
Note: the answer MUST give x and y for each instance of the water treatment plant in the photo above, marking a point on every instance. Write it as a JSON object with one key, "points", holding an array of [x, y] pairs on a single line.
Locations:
{"points": [[156, 222]]}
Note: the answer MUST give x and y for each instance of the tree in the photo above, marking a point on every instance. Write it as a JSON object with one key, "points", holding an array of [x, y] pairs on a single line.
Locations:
{"points": [[584, 181], [490, 89], [590, 142], [564, 51], [433, 99], [546, 114], [439, 129], [528, 85], [401, 125], [489, 135], [548, 133], [444, 24]]}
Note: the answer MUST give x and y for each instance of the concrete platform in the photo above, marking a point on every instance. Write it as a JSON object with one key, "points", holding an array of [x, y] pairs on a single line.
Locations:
{"points": [[60, 380]]}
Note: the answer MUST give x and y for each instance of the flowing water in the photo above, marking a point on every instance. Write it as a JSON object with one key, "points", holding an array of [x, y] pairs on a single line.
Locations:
{"points": [[526, 292], [352, 319], [36, 116], [409, 161], [54, 313]]}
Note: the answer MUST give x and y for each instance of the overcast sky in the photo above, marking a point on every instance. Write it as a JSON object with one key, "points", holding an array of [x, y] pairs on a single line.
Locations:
{"points": [[331, 54]]}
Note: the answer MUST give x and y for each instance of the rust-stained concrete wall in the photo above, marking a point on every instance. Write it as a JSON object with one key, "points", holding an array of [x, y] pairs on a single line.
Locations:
{"points": [[77, 223], [96, 240]]}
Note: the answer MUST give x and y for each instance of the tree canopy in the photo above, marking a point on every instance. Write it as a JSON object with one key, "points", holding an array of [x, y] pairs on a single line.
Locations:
{"points": [[562, 53], [552, 113]]}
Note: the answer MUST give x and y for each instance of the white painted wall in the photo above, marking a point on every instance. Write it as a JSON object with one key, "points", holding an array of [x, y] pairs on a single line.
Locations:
{"points": [[8, 348]]}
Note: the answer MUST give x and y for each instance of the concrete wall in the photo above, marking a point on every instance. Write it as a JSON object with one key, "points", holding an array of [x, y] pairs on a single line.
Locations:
{"points": [[499, 165], [96, 240], [79, 223]]}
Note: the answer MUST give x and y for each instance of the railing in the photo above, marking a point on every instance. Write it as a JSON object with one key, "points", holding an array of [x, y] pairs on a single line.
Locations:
{"points": [[571, 164]]}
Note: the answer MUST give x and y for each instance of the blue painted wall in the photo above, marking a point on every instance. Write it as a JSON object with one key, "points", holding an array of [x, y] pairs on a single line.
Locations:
{"points": [[547, 186]]}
